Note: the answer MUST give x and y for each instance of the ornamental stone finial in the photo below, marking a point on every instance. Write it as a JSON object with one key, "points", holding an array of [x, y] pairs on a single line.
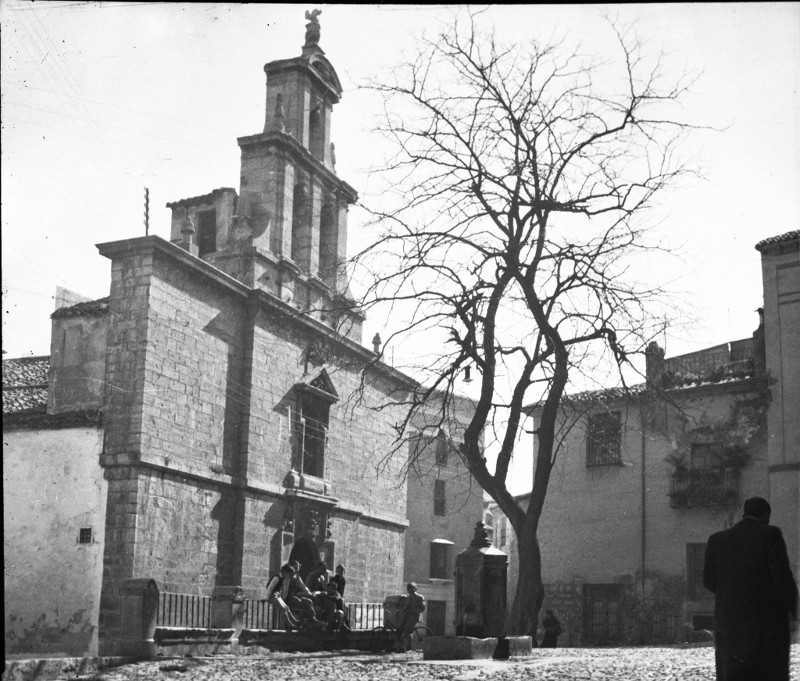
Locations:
{"points": [[312, 27], [481, 538]]}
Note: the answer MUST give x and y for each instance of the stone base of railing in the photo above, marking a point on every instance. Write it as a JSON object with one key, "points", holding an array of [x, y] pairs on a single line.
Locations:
{"points": [[251, 640], [192, 641], [469, 648]]}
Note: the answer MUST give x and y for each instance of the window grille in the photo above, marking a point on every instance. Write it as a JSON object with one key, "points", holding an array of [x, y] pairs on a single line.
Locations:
{"points": [[705, 482], [85, 535], [602, 612], [603, 444]]}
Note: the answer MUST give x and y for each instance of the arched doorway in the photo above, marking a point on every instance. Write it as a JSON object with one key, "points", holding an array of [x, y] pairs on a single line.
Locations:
{"points": [[307, 554]]}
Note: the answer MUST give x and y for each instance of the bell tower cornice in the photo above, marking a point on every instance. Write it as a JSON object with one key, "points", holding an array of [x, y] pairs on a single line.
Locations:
{"points": [[301, 156]]}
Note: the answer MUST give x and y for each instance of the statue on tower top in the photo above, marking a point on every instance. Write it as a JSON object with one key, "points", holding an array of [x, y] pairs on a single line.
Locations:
{"points": [[312, 27]]}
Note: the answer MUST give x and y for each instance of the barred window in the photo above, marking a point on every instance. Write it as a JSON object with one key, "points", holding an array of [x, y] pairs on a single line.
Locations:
{"points": [[85, 535], [439, 506], [603, 443], [602, 612]]}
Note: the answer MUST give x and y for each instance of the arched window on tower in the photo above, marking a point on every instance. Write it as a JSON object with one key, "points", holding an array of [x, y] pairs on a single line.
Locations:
{"points": [[299, 221], [316, 132], [327, 242]]}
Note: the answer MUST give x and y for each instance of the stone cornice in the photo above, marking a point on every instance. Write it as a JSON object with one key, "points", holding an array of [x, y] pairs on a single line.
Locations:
{"points": [[155, 244], [269, 302], [286, 141], [284, 310]]}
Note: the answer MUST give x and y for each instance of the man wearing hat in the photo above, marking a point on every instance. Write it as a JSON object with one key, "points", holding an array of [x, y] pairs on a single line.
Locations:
{"points": [[747, 568]]}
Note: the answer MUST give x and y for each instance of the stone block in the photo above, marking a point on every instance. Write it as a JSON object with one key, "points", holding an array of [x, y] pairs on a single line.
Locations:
{"points": [[458, 648]]}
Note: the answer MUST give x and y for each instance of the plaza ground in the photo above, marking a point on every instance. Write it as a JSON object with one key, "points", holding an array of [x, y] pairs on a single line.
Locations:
{"points": [[561, 664]]}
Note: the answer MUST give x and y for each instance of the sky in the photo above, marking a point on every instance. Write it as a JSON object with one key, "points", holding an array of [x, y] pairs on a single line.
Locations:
{"points": [[100, 100]]}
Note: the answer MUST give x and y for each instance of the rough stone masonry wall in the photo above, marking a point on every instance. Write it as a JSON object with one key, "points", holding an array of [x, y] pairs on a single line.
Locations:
{"points": [[371, 497], [197, 464]]}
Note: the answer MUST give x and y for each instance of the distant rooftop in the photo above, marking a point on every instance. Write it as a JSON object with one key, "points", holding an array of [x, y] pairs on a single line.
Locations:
{"points": [[92, 307], [794, 235]]}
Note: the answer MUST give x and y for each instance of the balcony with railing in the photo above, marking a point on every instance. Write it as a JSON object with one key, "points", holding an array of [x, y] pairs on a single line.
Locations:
{"points": [[704, 487], [736, 360]]}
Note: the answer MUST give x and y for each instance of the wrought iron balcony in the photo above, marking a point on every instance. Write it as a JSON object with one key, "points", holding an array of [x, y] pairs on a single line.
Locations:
{"points": [[704, 487]]}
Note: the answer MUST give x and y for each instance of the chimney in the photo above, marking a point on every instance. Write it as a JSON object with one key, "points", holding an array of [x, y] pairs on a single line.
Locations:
{"points": [[654, 365]]}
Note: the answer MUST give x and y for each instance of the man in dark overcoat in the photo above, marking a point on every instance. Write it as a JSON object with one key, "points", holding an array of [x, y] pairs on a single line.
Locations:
{"points": [[747, 568]]}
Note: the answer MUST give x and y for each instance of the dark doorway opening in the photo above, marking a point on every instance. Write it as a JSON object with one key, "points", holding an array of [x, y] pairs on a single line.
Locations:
{"points": [[307, 553]]}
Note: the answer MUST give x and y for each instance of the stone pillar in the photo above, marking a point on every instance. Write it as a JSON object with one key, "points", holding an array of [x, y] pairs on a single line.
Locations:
{"points": [[138, 609], [227, 610], [481, 582]]}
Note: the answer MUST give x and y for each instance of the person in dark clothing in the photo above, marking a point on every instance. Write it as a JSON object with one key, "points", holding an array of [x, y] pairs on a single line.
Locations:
{"points": [[339, 580], [289, 588], [747, 568], [552, 630]]}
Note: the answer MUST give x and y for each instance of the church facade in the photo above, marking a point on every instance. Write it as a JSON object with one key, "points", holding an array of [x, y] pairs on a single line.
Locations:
{"points": [[234, 419]]}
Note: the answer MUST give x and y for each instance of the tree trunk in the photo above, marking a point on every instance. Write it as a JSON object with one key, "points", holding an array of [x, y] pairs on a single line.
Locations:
{"points": [[530, 590]]}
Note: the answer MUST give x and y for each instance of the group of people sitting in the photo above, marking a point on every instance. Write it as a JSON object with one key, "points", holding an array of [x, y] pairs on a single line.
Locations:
{"points": [[318, 604]]}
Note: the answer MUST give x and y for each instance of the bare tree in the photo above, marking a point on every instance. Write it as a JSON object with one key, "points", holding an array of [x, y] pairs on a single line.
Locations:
{"points": [[516, 203]]}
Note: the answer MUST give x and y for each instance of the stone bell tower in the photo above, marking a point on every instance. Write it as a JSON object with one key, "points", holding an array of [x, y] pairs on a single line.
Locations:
{"points": [[286, 231]]}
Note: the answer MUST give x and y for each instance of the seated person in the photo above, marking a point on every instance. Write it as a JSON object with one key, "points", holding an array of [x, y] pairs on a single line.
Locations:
{"points": [[291, 590], [339, 580], [330, 607], [318, 577]]}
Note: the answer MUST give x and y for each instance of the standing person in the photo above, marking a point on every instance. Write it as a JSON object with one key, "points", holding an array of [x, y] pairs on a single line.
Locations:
{"points": [[552, 630], [339, 580], [410, 611], [747, 568]]}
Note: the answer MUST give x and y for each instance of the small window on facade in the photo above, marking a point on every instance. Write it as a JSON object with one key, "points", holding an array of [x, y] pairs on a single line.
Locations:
{"points": [[207, 231], [85, 535], [603, 443], [695, 557], [440, 560], [441, 449], [439, 507]]}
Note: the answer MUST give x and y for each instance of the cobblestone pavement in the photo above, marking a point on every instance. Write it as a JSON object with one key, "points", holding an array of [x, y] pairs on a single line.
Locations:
{"points": [[562, 664]]}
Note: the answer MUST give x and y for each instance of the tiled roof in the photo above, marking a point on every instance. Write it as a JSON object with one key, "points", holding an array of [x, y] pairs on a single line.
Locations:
{"points": [[25, 371], [24, 399], [194, 200], [91, 308], [25, 384], [794, 235]]}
